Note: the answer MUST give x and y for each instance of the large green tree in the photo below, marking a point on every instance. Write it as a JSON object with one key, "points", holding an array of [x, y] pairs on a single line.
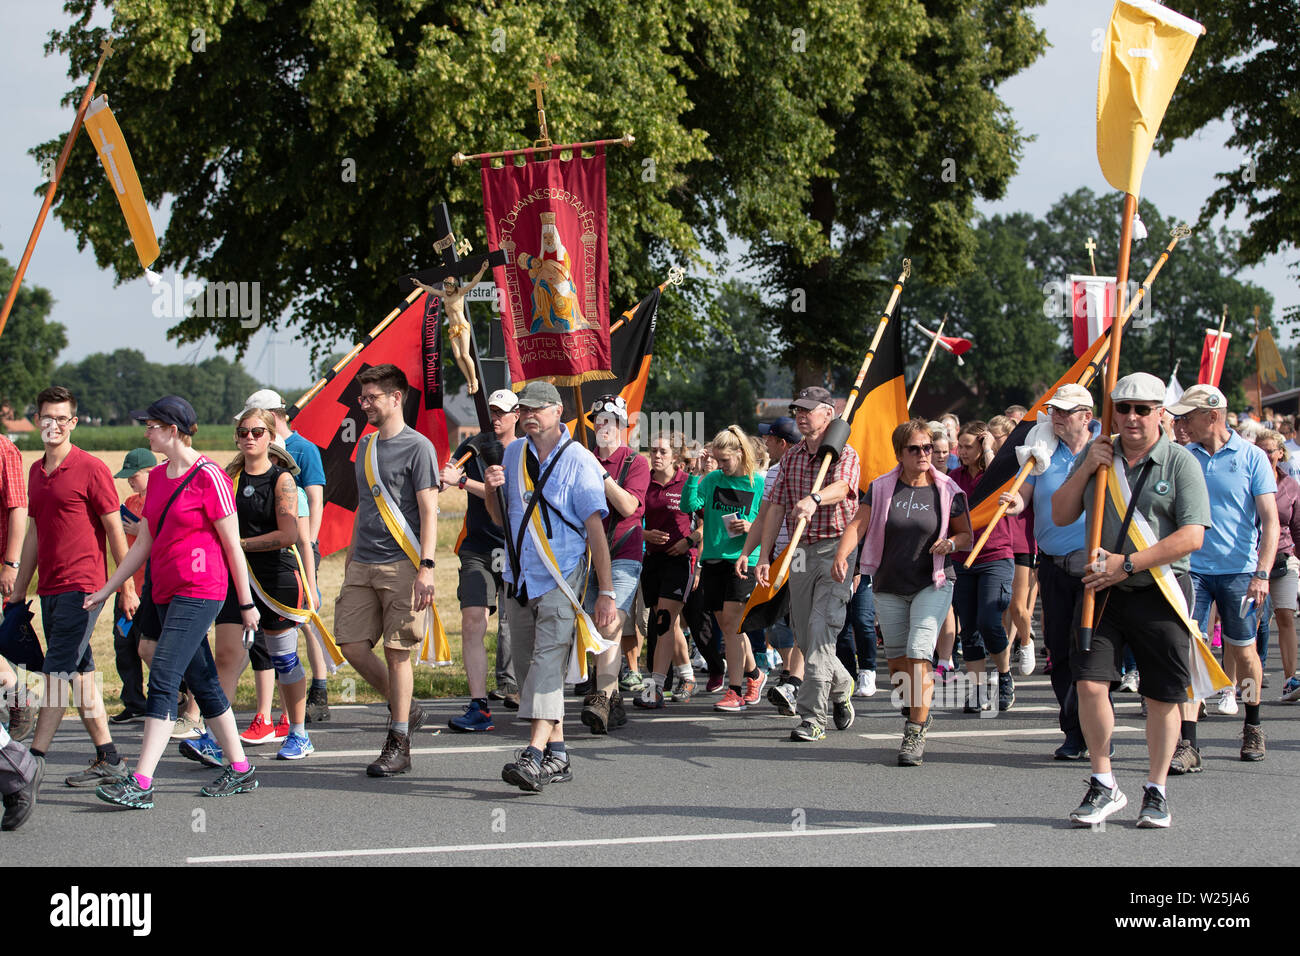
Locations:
{"points": [[30, 343], [1244, 71], [807, 131]]}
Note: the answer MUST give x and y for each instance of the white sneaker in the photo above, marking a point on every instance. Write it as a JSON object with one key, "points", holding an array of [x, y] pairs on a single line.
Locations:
{"points": [[1027, 661], [866, 684], [698, 663], [1227, 702], [1129, 682]]}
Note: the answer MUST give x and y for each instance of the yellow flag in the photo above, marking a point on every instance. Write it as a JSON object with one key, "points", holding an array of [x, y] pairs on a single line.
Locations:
{"points": [[104, 132], [1271, 366], [1147, 48]]}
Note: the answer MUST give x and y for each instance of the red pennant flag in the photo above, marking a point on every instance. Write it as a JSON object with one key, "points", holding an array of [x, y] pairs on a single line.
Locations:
{"points": [[1092, 304], [332, 419], [1211, 369]]}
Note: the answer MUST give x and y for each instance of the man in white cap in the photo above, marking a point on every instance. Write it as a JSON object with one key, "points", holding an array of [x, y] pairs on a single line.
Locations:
{"points": [[481, 548], [1232, 567], [1064, 554], [1168, 495], [311, 479]]}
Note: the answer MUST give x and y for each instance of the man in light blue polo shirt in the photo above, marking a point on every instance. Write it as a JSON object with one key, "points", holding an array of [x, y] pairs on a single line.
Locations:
{"points": [[1064, 550], [1232, 566], [571, 503]]}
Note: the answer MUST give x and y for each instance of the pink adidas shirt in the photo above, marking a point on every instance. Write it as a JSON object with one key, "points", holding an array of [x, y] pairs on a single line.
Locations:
{"points": [[187, 558]]}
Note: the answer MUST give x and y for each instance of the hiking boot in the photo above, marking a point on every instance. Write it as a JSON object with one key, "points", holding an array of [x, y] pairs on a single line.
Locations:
{"points": [[1006, 691], [230, 783], [526, 773], [1098, 803], [1252, 742], [584, 688], [18, 806], [22, 722], [784, 696], [318, 705], [414, 718], [126, 792], [1155, 810], [555, 767], [595, 712], [617, 713], [1186, 759], [911, 752], [99, 771], [807, 732], [395, 758]]}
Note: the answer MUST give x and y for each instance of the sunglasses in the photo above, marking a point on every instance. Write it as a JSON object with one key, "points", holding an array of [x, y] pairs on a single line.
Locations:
{"points": [[1126, 408], [919, 449], [257, 431]]}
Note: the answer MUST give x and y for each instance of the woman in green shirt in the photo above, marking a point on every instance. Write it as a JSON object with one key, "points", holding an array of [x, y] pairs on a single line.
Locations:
{"points": [[728, 498]]}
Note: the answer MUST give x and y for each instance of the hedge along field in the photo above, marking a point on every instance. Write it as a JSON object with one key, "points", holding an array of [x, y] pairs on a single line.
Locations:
{"points": [[122, 438], [345, 686]]}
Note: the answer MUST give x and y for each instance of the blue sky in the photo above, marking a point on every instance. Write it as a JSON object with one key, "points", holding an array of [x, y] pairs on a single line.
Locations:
{"points": [[1055, 101]]}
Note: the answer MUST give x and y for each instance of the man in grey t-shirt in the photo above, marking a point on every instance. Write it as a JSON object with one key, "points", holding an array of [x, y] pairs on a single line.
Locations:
{"points": [[388, 580]]}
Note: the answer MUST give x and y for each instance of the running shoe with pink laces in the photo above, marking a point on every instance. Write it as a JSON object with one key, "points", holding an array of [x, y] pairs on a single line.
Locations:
{"points": [[731, 702]]}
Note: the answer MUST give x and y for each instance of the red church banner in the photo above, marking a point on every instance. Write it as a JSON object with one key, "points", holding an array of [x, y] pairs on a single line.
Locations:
{"points": [[550, 219]]}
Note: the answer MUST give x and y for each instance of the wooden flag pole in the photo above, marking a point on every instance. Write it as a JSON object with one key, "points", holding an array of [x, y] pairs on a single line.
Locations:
{"points": [[106, 46], [1107, 414], [783, 565], [934, 344], [1259, 376], [1180, 232]]}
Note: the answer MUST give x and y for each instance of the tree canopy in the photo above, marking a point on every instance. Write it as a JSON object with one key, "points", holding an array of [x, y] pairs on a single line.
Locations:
{"points": [[30, 343]]}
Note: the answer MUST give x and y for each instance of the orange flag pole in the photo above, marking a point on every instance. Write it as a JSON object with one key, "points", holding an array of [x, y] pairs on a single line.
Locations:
{"points": [[107, 47]]}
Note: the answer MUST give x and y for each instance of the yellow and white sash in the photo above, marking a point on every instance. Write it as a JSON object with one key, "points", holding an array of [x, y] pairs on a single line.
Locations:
{"points": [[308, 618], [435, 635], [1207, 676], [589, 638]]}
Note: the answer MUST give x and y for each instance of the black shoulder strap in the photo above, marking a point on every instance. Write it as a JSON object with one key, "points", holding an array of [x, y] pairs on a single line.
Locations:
{"points": [[1132, 503], [539, 482], [154, 532]]}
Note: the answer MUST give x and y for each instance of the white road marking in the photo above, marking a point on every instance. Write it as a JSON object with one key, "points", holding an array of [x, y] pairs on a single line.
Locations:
{"points": [[1041, 732], [564, 844]]}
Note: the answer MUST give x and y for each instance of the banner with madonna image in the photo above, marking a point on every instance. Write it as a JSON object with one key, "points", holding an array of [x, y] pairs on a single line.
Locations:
{"points": [[549, 218]]}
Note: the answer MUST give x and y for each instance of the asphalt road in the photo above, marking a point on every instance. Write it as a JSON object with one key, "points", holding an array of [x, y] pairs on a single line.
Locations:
{"points": [[686, 786]]}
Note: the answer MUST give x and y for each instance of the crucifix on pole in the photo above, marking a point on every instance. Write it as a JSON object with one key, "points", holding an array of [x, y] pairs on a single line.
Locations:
{"points": [[1091, 246]]}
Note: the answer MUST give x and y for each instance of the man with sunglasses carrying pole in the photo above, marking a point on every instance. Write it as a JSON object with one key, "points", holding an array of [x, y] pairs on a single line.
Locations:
{"points": [[1141, 592], [74, 511], [1232, 567]]}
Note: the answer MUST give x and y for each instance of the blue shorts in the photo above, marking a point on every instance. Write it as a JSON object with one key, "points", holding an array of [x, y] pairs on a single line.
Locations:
{"points": [[67, 626], [627, 577], [1225, 591]]}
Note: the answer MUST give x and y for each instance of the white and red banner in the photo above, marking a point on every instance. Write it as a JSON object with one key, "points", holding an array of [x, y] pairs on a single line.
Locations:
{"points": [[549, 218], [1092, 304], [1211, 369]]}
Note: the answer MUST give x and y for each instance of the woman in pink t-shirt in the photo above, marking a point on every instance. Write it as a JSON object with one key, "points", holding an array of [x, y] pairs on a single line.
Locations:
{"points": [[189, 548]]}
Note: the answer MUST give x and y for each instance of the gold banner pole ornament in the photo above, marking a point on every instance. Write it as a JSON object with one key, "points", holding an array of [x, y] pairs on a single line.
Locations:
{"points": [[1089, 373], [1147, 49], [106, 46], [777, 578], [929, 354]]}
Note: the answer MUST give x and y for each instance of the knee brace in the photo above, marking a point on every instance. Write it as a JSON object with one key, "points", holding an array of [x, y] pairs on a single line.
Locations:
{"points": [[660, 623], [283, 648]]}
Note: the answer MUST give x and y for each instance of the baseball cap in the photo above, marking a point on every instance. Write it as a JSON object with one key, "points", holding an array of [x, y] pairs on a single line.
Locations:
{"points": [[137, 459], [809, 398], [783, 428], [1139, 387], [503, 400], [263, 398], [539, 395], [1199, 396], [1070, 396], [170, 410]]}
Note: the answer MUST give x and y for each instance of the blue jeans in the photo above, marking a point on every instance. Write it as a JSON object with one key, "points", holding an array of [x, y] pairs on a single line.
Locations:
{"points": [[1225, 591], [1261, 633], [981, 595], [856, 644], [183, 651]]}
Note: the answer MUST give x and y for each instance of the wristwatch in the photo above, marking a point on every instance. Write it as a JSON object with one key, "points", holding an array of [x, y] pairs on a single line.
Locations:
{"points": [[1258, 575], [1128, 567], [426, 563], [11, 564], [817, 499], [463, 478]]}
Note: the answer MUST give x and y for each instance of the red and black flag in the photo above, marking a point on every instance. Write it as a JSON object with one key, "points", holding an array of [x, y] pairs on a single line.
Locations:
{"points": [[329, 416], [631, 349]]}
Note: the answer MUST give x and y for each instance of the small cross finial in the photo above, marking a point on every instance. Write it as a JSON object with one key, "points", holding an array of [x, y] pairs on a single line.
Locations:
{"points": [[1090, 245], [538, 86]]}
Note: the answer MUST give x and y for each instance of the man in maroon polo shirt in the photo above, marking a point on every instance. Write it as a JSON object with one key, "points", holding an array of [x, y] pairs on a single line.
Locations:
{"points": [[74, 508]]}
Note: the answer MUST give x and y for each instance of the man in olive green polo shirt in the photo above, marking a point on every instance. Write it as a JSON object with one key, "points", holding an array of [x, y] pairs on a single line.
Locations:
{"points": [[1170, 493]]}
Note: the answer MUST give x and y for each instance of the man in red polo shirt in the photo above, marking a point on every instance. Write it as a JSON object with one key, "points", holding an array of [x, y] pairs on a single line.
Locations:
{"points": [[74, 508], [13, 525]]}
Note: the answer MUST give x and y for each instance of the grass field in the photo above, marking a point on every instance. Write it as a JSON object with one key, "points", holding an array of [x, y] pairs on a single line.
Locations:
{"points": [[429, 682]]}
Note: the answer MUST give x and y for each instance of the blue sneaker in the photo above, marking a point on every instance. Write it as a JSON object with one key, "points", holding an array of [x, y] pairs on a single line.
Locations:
{"points": [[474, 719], [204, 748], [296, 746], [1291, 690]]}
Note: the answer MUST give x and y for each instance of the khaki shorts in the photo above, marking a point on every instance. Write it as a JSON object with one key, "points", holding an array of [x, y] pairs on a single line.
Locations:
{"points": [[376, 602]]}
